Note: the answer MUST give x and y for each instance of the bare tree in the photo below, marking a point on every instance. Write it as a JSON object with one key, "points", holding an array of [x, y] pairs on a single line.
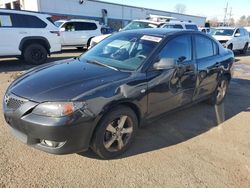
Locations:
{"points": [[180, 8], [214, 22], [242, 21]]}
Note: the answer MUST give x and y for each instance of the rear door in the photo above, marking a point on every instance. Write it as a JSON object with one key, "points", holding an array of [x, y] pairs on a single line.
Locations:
{"points": [[170, 89], [9, 36], [208, 62]]}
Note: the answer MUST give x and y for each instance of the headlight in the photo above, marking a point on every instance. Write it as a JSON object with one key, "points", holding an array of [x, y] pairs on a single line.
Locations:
{"points": [[57, 109]]}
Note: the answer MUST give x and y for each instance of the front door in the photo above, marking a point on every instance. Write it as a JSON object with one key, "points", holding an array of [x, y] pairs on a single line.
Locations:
{"points": [[170, 89]]}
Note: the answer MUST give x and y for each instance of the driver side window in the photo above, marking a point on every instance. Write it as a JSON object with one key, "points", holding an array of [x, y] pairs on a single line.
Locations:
{"points": [[178, 49]]}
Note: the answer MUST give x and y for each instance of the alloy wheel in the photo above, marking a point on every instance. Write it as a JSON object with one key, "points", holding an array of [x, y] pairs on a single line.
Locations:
{"points": [[221, 90], [118, 134]]}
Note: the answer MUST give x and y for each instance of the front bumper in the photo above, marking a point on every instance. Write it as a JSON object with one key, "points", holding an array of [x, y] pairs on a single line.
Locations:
{"points": [[73, 131]]}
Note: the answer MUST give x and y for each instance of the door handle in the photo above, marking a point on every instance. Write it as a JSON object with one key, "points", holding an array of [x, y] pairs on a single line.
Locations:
{"points": [[23, 32]]}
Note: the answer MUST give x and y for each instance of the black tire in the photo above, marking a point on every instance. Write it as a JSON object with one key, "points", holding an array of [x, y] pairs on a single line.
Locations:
{"points": [[218, 95], [88, 43], [230, 47], [244, 50], [35, 54], [105, 143]]}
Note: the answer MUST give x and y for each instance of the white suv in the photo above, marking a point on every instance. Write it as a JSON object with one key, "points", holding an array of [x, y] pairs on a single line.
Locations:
{"points": [[232, 38], [28, 35], [135, 24], [181, 25], [78, 33]]}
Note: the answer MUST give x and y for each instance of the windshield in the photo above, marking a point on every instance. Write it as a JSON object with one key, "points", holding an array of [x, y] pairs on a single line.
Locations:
{"points": [[122, 51], [58, 24], [223, 32], [139, 25]]}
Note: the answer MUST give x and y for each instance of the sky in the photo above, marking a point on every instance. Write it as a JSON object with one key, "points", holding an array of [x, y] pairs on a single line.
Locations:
{"points": [[208, 8]]}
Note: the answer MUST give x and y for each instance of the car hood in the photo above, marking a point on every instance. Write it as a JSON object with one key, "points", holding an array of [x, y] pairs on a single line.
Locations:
{"points": [[219, 38], [64, 81]]}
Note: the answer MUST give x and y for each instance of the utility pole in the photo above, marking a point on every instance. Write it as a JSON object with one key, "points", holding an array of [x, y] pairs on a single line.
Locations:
{"points": [[230, 16], [225, 17]]}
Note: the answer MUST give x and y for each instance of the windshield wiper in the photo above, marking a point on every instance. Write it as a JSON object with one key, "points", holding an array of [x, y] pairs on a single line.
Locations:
{"points": [[101, 64]]}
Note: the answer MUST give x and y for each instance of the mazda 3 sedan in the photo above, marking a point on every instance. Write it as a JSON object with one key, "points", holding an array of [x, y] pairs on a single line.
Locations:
{"points": [[100, 99]]}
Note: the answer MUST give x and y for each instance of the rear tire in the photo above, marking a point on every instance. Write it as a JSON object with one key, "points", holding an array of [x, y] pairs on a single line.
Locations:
{"points": [[244, 50], [79, 48], [35, 54], [220, 93], [115, 133]]}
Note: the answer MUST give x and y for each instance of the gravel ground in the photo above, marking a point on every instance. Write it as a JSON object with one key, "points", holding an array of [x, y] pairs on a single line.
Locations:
{"points": [[184, 149]]}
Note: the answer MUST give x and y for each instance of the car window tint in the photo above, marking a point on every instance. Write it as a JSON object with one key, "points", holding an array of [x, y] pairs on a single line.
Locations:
{"points": [[192, 27], [178, 48], [84, 26], [27, 21], [204, 47], [70, 26]]}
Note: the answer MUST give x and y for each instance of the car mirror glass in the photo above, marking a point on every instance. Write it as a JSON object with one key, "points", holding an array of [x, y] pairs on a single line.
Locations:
{"points": [[237, 35], [62, 29], [165, 64]]}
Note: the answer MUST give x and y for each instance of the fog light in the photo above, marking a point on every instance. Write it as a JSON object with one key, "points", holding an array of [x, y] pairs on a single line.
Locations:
{"points": [[52, 144]]}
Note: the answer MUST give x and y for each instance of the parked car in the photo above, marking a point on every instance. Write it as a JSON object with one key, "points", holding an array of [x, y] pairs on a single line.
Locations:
{"points": [[135, 24], [206, 30], [28, 35], [98, 100], [233, 38], [180, 25], [77, 32]]}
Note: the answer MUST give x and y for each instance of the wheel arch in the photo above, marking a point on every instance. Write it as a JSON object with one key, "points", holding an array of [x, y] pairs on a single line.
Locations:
{"points": [[112, 106], [34, 40]]}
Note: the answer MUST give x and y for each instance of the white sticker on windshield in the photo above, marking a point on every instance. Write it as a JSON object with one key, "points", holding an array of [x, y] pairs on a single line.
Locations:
{"points": [[151, 38]]}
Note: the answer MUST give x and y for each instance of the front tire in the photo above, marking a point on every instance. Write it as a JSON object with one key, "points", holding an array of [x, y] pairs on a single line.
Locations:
{"points": [[230, 47], [115, 133], [244, 50], [220, 93], [35, 54]]}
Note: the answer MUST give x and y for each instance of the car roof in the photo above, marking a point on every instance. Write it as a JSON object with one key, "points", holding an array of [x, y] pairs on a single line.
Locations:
{"points": [[24, 12], [180, 22], [163, 32], [233, 28], [78, 20], [148, 21]]}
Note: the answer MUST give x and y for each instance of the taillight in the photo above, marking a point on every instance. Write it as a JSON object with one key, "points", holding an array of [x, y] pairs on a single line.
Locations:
{"points": [[56, 32]]}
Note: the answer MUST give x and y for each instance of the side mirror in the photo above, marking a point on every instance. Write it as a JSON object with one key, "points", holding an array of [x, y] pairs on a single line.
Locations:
{"points": [[62, 29], [165, 64], [237, 35]]}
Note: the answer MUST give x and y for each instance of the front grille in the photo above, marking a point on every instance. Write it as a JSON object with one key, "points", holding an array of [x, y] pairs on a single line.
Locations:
{"points": [[13, 102]]}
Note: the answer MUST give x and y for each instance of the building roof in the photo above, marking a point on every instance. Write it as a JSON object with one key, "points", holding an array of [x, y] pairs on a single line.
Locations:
{"points": [[148, 9]]}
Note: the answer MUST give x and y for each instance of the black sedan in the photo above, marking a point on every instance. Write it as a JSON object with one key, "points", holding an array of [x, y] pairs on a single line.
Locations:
{"points": [[98, 100]]}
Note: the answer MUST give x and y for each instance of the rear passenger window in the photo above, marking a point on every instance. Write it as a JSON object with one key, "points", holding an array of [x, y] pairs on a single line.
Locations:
{"points": [[5, 21], [84, 26], [27, 21], [204, 47], [192, 27], [178, 48]]}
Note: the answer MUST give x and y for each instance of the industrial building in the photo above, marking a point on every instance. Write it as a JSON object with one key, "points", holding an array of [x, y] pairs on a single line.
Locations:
{"points": [[116, 15]]}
